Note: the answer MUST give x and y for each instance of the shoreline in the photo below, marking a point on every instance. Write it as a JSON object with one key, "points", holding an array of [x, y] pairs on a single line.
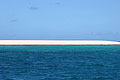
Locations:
{"points": [[57, 42]]}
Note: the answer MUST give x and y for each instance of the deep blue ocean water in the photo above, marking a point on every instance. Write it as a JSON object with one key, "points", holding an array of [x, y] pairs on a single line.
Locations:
{"points": [[59, 62]]}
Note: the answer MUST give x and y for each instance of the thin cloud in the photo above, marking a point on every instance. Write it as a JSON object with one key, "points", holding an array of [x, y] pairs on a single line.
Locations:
{"points": [[57, 3], [13, 20], [33, 8]]}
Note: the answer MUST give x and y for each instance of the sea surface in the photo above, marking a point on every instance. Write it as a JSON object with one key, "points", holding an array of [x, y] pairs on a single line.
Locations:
{"points": [[60, 62]]}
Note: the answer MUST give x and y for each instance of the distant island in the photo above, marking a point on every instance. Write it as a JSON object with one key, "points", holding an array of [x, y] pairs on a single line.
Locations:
{"points": [[57, 42]]}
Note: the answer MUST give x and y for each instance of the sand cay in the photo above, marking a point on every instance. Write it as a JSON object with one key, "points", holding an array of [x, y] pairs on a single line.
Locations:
{"points": [[57, 42]]}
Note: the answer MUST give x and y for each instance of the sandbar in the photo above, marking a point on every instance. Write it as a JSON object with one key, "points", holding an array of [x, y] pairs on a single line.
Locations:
{"points": [[58, 42]]}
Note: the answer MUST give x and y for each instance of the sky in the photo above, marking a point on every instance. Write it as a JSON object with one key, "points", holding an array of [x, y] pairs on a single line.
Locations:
{"points": [[60, 20]]}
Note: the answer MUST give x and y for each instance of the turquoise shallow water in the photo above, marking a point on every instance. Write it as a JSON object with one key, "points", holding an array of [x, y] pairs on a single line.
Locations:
{"points": [[59, 62]]}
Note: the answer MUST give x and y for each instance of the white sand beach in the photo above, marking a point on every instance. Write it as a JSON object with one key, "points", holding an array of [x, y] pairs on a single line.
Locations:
{"points": [[57, 42]]}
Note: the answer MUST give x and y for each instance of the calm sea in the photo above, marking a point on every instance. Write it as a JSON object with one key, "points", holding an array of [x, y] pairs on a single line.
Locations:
{"points": [[59, 62]]}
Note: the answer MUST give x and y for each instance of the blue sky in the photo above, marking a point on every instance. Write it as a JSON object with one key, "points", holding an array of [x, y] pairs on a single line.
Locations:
{"points": [[60, 19]]}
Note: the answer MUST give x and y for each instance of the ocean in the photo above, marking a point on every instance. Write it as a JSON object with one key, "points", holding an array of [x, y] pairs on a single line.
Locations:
{"points": [[60, 62]]}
